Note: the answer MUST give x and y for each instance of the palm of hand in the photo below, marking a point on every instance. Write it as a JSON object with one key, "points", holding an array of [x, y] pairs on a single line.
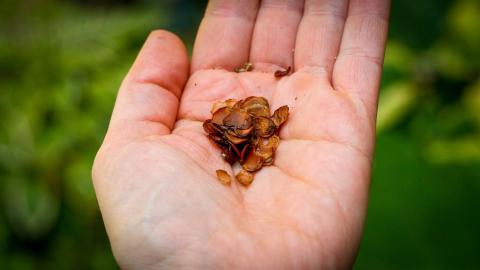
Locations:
{"points": [[165, 207], [306, 200]]}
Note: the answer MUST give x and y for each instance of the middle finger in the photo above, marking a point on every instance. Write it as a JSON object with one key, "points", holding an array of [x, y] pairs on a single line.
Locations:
{"points": [[274, 34]]}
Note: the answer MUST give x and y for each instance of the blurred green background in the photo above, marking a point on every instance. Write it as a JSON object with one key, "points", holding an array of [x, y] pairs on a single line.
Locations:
{"points": [[61, 63]]}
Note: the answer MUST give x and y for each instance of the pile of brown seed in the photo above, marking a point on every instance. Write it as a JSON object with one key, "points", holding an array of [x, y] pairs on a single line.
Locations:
{"points": [[247, 133]]}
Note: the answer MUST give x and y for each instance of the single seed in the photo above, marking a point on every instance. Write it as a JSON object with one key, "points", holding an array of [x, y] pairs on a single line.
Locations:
{"points": [[253, 162], [238, 119], [245, 68], [280, 115], [220, 115], [229, 103], [280, 73], [245, 178], [224, 177], [264, 127]]}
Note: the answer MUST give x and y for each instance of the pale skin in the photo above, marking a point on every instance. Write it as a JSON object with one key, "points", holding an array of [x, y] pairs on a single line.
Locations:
{"points": [[154, 175]]}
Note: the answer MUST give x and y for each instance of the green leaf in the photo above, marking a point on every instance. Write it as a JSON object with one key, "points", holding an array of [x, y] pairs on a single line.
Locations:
{"points": [[396, 101]]}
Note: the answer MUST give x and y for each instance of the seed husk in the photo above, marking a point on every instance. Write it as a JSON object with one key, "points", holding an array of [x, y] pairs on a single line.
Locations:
{"points": [[238, 119], [220, 115], [244, 68], [224, 177], [267, 150], [273, 142], [280, 115], [255, 106], [253, 162], [264, 127], [245, 178], [229, 103], [208, 127], [253, 101], [259, 111]]}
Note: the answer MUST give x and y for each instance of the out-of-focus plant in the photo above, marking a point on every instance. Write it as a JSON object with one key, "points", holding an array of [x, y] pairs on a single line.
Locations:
{"points": [[426, 176], [441, 81], [60, 67]]}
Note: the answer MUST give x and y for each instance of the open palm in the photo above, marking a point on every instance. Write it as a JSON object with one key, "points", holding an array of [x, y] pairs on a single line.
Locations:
{"points": [[155, 172]]}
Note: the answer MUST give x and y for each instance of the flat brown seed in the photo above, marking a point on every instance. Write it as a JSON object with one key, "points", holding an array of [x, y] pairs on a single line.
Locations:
{"points": [[245, 178], [246, 67], [264, 127], [224, 177], [253, 100], [259, 111], [245, 103], [255, 106], [280, 115], [267, 150], [280, 73], [229, 103], [238, 119], [264, 151], [220, 115], [253, 162]]}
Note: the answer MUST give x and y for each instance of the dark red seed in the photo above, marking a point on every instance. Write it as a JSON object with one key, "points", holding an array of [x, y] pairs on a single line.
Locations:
{"points": [[280, 73]]}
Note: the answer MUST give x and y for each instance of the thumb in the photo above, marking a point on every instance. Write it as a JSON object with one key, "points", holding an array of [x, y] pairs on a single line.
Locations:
{"points": [[148, 99]]}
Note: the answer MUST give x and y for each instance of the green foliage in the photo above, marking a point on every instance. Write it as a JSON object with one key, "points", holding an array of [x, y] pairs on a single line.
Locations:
{"points": [[59, 77], [61, 65], [426, 180]]}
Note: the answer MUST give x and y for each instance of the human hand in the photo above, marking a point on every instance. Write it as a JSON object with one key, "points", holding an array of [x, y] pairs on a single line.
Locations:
{"points": [[154, 175]]}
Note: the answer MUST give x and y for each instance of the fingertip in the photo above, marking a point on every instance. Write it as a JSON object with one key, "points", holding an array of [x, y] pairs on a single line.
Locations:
{"points": [[148, 99], [163, 60], [166, 36]]}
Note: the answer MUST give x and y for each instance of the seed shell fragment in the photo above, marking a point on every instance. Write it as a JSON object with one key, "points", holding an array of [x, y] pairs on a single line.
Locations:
{"points": [[245, 68], [245, 178], [223, 177], [280, 115]]}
